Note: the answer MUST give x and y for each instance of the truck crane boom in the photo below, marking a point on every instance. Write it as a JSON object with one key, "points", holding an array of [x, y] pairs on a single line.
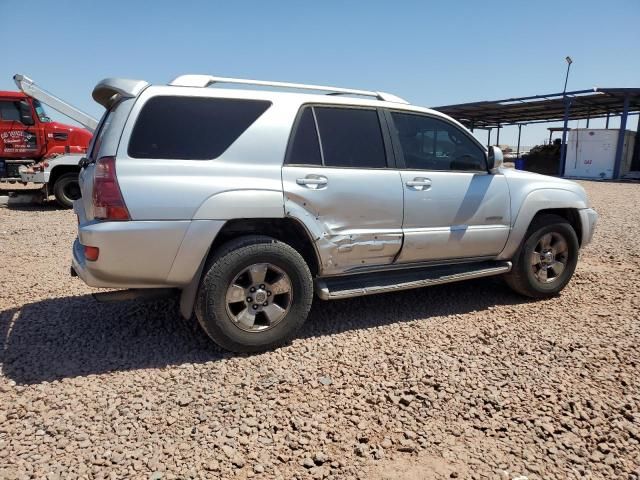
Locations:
{"points": [[28, 86]]}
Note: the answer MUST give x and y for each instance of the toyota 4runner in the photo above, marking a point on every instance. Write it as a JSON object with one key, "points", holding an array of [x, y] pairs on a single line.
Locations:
{"points": [[249, 201]]}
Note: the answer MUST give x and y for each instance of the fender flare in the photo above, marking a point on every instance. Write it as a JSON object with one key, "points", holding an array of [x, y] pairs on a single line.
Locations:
{"points": [[532, 204]]}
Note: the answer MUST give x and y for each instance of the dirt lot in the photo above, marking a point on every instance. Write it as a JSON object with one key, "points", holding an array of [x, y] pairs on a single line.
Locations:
{"points": [[459, 381]]}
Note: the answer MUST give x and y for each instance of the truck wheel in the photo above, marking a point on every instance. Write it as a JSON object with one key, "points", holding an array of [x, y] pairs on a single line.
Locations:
{"points": [[255, 294], [66, 189], [546, 260]]}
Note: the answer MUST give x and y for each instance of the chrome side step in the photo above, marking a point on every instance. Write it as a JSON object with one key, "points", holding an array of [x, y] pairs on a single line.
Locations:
{"points": [[332, 288]]}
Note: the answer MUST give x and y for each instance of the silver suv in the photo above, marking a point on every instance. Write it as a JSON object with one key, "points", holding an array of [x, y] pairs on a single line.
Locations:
{"points": [[248, 201]]}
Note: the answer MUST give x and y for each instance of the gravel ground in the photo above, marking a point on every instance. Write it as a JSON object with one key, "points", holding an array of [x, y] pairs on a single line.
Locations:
{"points": [[458, 381]]}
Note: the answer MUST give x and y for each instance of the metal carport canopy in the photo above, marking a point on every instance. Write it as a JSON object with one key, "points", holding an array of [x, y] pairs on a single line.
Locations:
{"points": [[594, 103]]}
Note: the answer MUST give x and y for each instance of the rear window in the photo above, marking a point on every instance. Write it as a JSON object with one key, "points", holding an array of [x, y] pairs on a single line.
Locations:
{"points": [[94, 147], [191, 128]]}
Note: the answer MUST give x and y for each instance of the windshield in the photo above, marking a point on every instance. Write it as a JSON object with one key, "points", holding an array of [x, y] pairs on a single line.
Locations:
{"points": [[42, 115]]}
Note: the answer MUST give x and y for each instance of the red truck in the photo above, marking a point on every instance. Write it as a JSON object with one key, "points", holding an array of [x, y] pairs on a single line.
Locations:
{"points": [[29, 137]]}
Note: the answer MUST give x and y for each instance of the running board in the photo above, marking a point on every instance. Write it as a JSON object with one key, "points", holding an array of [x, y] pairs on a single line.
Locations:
{"points": [[332, 288]]}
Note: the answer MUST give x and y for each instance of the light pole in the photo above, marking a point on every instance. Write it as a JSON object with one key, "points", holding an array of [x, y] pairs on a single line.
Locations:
{"points": [[566, 78], [567, 104]]}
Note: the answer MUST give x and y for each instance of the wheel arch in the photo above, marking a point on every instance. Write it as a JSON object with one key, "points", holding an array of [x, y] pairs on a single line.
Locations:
{"points": [[571, 215], [287, 230], [564, 203], [59, 170]]}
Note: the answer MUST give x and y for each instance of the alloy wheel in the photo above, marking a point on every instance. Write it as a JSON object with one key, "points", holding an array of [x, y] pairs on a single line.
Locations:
{"points": [[259, 297]]}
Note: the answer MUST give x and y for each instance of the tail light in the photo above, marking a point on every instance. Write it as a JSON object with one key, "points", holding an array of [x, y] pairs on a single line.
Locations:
{"points": [[108, 203]]}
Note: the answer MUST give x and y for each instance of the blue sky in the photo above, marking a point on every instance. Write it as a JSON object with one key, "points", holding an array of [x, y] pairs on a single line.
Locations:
{"points": [[430, 52]]}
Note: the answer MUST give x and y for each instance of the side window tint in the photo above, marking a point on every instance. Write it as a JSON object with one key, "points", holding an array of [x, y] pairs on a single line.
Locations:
{"points": [[305, 148], [9, 111], [432, 144], [191, 128], [351, 137]]}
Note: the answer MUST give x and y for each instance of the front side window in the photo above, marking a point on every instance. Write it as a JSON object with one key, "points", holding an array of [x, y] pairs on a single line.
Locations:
{"points": [[191, 128], [429, 143], [42, 114]]}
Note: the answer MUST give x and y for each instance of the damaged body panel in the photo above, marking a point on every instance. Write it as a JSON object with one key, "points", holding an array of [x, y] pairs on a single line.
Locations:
{"points": [[355, 216]]}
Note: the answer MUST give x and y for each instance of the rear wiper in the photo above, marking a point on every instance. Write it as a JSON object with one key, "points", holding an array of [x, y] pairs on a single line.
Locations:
{"points": [[85, 162]]}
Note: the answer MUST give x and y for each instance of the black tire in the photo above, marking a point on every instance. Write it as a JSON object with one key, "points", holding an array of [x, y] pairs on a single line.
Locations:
{"points": [[523, 278], [66, 189], [213, 311]]}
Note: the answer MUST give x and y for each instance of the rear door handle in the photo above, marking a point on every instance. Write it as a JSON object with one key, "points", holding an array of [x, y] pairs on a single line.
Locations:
{"points": [[419, 183], [312, 181]]}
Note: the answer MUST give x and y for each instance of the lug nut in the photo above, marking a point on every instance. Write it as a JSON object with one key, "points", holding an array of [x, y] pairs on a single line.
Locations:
{"points": [[249, 299], [265, 304], [262, 286], [268, 294], [255, 307], [252, 289]]}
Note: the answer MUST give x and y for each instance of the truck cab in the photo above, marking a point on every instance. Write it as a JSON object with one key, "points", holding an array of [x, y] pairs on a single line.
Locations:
{"points": [[28, 135], [32, 145]]}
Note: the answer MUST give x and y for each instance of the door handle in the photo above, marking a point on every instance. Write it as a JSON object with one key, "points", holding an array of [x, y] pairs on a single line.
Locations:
{"points": [[315, 181], [419, 183]]}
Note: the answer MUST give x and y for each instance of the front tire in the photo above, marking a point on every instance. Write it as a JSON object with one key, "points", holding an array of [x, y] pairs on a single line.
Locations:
{"points": [[67, 189], [546, 260], [255, 294]]}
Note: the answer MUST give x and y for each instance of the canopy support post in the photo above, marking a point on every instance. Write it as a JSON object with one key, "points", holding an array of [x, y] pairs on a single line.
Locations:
{"points": [[518, 149], [563, 146], [621, 134], [635, 162]]}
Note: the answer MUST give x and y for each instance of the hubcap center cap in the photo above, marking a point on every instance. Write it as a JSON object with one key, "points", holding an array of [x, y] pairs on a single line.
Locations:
{"points": [[260, 296]]}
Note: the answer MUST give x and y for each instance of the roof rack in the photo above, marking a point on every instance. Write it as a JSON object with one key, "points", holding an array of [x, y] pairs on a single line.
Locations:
{"points": [[206, 80]]}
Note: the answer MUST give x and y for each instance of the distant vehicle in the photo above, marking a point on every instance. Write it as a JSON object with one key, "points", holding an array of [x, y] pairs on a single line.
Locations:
{"points": [[248, 201], [35, 149]]}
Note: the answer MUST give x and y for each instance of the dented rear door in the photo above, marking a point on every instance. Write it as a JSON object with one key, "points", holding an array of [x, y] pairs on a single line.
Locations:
{"points": [[338, 182]]}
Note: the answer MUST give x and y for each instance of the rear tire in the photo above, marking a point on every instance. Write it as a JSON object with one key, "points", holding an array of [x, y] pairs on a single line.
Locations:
{"points": [[67, 189], [546, 260], [255, 294]]}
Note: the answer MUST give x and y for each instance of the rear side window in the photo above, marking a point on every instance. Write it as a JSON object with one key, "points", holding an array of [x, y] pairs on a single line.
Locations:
{"points": [[191, 128], [9, 111], [351, 137]]}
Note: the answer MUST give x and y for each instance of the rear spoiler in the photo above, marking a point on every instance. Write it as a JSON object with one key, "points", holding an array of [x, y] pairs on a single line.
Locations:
{"points": [[111, 90]]}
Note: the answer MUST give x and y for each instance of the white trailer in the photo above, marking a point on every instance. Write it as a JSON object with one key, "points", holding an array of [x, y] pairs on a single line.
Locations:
{"points": [[591, 153]]}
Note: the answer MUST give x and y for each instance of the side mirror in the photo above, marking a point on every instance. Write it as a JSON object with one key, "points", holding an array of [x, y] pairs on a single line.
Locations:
{"points": [[25, 113], [494, 159]]}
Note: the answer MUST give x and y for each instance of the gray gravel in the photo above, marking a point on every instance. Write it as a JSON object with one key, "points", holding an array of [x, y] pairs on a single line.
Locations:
{"points": [[458, 381]]}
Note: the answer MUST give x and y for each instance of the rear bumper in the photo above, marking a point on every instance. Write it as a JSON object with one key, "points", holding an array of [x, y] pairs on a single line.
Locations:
{"points": [[588, 220], [143, 254], [126, 271]]}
